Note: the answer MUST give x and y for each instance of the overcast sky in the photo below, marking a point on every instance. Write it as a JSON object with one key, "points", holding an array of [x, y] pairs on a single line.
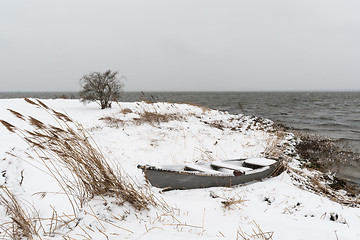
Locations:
{"points": [[182, 45]]}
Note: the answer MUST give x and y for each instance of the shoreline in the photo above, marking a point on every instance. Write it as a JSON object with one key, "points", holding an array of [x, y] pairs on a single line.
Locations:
{"points": [[348, 144]]}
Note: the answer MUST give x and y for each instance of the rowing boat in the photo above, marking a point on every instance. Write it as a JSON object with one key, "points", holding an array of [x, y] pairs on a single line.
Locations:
{"points": [[209, 174]]}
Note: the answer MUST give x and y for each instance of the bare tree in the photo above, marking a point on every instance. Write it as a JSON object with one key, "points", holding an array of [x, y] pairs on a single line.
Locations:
{"points": [[102, 88]]}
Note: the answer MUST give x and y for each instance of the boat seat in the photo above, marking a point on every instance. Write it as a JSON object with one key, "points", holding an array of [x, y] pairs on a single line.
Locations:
{"points": [[261, 162], [195, 167], [221, 164]]}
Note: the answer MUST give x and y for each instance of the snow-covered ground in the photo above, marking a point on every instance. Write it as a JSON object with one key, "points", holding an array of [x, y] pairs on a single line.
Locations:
{"points": [[277, 207]]}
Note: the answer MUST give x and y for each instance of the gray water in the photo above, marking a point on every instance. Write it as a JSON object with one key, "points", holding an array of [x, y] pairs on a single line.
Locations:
{"points": [[334, 115]]}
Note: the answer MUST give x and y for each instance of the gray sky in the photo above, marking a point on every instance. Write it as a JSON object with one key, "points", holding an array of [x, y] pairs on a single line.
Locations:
{"points": [[170, 45]]}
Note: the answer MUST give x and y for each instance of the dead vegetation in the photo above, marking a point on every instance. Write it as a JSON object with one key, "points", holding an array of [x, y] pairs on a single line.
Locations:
{"points": [[323, 155], [277, 147], [318, 153], [320, 183], [21, 224], [242, 123], [154, 118], [256, 233], [280, 147], [231, 202], [318, 157], [151, 118], [68, 146], [126, 111], [143, 116], [112, 121], [258, 123]]}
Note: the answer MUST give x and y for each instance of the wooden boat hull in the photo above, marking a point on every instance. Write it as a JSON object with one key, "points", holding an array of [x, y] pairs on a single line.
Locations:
{"points": [[184, 180]]}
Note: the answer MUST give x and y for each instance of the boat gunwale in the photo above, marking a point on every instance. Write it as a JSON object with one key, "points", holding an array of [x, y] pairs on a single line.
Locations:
{"points": [[198, 173]]}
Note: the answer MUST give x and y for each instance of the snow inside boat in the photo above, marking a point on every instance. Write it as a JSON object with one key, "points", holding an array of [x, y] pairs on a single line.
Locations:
{"points": [[209, 174]]}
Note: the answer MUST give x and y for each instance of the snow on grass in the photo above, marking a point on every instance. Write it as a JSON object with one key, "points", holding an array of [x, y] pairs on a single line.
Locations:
{"points": [[165, 133]]}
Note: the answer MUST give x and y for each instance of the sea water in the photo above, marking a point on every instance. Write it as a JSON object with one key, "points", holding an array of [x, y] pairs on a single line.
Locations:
{"points": [[335, 115]]}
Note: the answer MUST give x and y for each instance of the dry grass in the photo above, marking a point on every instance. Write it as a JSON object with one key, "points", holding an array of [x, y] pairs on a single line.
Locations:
{"points": [[322, 156], [153, 118], [319, 152], [231, 202], [256, 233], [322, 153], [126, 111], [150, 117], [317, 155], [274, 147], [278, 148], [113, 121], [68, 153], [21, 225], [318, 182]]}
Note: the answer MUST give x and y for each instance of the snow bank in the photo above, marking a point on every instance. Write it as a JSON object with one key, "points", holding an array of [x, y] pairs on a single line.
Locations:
{"points": [[164, 133]]}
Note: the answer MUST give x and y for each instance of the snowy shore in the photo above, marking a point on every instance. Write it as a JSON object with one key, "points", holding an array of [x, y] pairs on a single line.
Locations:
{"points": [[164, 133]]}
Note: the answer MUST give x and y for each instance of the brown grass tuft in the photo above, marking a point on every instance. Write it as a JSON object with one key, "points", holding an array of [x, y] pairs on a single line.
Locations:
{"points": [[320, 153], [256, 233], [231, 202], [274, 147], [126, 111], [8, 126], [21, 224], [36, 123], [113, 121], [156, 118], [321, 156], [42, 104], [61, 116], [320, 183], [31, 102], [17, 114]]}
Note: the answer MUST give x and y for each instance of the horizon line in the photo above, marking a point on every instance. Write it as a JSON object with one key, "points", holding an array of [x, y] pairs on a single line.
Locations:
{"points": [[132, 91]]}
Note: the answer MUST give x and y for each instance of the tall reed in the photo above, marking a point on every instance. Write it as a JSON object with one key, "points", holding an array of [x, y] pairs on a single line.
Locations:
{"points": [[21, 224], [72, 157]]}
